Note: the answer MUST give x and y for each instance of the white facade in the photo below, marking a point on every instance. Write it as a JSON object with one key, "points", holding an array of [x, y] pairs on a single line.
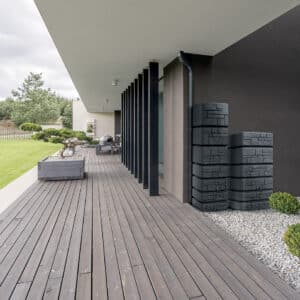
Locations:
{"points": [[104, 122]]}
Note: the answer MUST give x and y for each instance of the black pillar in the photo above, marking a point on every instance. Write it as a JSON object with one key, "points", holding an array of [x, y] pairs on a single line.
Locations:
{"points": [[153, 129], [132, 128], [139, 127], [129, 128], [135, 127], [122, 127], [125, 128], [145, 129]]}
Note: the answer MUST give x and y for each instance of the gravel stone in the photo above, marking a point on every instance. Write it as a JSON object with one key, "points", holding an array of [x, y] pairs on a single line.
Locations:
{"points": [[261, 233]]}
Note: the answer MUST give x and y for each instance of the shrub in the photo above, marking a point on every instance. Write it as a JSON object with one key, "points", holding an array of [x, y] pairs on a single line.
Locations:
{"points": [[30, 127], [284, 202], [89, 139], [292, 239], [57, 136], [51, 132], [66, 133], [56, 139], [80, 135], [93, 142], [39, 136]]}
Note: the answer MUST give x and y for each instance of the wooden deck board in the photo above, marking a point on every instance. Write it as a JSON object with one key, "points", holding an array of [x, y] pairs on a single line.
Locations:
{"points": [[104, 238]]}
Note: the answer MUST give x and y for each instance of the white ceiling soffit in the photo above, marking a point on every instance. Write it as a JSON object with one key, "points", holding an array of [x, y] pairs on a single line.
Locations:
{"points": [[103, 40]]}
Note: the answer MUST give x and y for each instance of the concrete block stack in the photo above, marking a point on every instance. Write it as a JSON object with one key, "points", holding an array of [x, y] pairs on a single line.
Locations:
{"points": [[210, 182], [251, 156]]}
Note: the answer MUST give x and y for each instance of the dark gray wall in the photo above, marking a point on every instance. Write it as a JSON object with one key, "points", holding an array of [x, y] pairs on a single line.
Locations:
{"points": [[260, 79]]}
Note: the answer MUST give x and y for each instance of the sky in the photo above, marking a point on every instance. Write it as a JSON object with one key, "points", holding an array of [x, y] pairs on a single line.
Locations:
{"points": [[26, 46]]}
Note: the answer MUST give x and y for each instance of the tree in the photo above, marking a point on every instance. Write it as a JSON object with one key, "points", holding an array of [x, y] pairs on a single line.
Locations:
{"points": [[35, 104], [67, 115], [32, 83], [40, 106], [6, 108], [32, 103]]}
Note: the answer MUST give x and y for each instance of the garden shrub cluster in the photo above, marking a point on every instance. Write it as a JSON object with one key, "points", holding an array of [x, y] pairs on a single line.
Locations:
{"points": [[30, 127], [284, 202], [292, 239], [59, 135], [56, 139]]}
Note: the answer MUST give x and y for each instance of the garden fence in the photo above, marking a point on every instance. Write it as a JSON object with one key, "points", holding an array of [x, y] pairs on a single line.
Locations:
{"points": [[14, 134]]}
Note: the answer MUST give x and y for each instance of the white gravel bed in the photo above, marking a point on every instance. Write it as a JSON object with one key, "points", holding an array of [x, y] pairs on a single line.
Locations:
{"points": [[261, 233]]}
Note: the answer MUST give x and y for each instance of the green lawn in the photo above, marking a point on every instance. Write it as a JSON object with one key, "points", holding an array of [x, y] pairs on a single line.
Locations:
{"points": [[19, 156]]}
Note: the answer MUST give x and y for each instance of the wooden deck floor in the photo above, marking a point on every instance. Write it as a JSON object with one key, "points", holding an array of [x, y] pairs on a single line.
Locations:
{"points": [[104, 238]]}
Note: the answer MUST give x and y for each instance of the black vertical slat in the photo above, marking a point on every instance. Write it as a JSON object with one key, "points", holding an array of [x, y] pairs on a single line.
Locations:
{"points": [[153, 129], [132, 128], [122, 126], [135, 126], [139, 128], [129, 128], [125, 128], [145, 128]]}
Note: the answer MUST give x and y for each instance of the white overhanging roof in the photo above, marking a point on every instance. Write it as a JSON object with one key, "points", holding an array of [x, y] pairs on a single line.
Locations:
{"points": [[103, 40]]}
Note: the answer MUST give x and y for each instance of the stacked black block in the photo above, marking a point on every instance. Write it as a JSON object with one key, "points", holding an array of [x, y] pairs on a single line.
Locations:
{"points": [[210, 182], [251, 170]]}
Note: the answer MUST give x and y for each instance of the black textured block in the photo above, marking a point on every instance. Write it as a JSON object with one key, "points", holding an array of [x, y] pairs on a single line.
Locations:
{"points": [[251, 155], [247, 138], [210, 136], [211, 184], [210, 155], [251, 170], [210, 196], [215, 206], [207, 171], [252, 205], [211, 114], [251, 184], [249, 195]]}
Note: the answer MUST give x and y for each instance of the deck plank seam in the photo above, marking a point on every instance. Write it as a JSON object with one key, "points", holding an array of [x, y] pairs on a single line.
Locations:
{"points": [[49, 276], [176, 251], [242, 257], [150, 238], [137, 243], [222, 264], [43, 212]]}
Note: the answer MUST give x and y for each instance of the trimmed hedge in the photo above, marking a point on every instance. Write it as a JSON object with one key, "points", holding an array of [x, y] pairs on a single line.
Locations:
{"points": [[292, 239], [284, 202], [30, 127]]}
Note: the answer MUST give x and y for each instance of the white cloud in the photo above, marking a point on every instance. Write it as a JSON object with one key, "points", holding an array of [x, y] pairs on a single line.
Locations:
{"points": [[26, 46]]}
